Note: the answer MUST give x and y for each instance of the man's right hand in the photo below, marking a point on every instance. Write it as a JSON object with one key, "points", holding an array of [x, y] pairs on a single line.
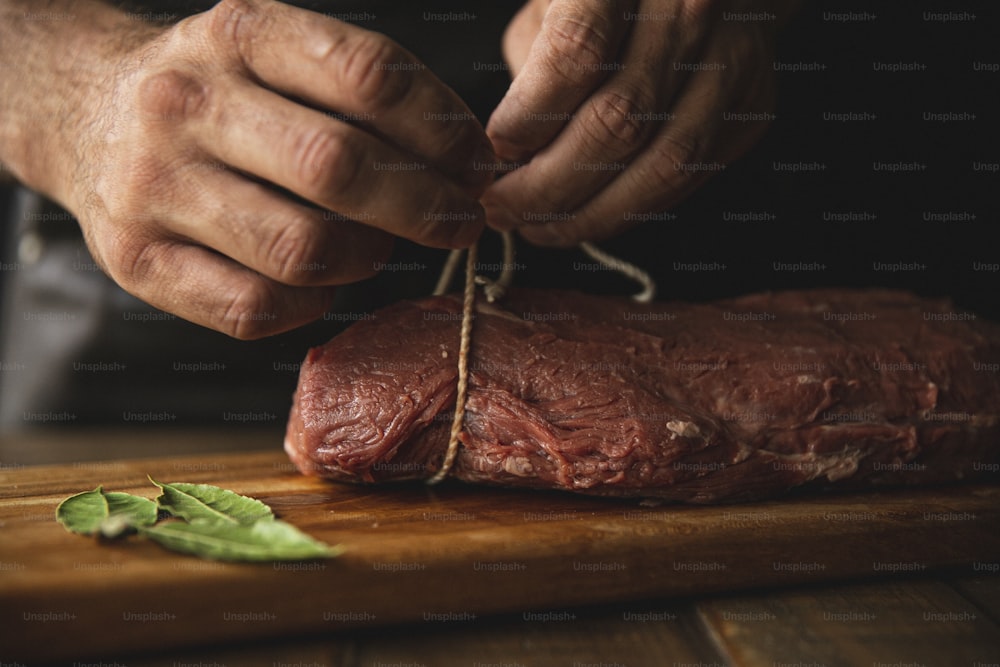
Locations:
{"points": [[244, 160]]}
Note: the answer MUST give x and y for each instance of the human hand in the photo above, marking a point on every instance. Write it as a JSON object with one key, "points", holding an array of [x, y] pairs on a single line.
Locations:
{"points": [[621, 109], [177, 166]]}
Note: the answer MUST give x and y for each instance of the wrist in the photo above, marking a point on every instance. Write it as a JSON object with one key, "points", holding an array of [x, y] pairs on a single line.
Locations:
{"points": [[63, 65]]}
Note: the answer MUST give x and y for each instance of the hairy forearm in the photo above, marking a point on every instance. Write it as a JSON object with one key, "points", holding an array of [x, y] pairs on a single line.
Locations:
{"points": [[56, 59]]}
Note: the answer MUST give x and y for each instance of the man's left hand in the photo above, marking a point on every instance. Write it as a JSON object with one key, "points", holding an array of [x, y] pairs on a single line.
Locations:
{"points": [[619, 109]]}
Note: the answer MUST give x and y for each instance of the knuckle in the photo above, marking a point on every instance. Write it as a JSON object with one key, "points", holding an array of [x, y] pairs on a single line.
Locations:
{"points": [[230, 22], [616, 121], [367, 71], [294, 252], [132, 257], [173, 95], [246, 314], [326, 162], [673, 169], [577, 48]]}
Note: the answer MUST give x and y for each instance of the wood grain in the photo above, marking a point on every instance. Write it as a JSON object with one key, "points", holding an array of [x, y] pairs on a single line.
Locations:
{"points": [[910, 622], [983, 591], [668, 634], [433, 555]]}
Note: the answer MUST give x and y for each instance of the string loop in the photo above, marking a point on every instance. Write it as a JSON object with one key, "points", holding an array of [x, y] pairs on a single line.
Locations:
{"points": [[627, 269], [493, 290]]}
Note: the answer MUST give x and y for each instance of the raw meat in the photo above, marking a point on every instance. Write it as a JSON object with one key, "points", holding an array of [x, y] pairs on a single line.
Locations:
{"points": [[733, 400]]}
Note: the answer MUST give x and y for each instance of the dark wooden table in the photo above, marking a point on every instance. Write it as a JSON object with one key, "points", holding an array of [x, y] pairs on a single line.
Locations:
{"points": [[948, 617]]}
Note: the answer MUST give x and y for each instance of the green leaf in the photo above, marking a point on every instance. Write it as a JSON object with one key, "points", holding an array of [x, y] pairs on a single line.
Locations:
{"points": [[223, 525], [207, 502], [138, 511], [110, 514], [225, 540], [84, 512]]}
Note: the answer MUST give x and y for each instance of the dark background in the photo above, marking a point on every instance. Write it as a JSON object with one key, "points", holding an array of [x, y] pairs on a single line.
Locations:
{"points": [[798, 233], [259, 377]]}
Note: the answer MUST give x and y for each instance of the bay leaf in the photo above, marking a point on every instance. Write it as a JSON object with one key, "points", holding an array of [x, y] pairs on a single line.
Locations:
{"points": [[225, 540], [84, 512], [204, 501], [110, 514], [138, 511]]}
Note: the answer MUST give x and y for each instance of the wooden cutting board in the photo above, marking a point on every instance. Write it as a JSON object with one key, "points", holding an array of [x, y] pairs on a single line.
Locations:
{"points": [[441, 554]]}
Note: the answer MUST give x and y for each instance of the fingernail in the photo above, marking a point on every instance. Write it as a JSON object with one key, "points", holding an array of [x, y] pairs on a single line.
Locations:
{"points": [[509, 149]]}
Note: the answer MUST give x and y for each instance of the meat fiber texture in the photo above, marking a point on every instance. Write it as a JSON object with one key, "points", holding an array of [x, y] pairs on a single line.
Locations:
{"points": [[727, 401]]}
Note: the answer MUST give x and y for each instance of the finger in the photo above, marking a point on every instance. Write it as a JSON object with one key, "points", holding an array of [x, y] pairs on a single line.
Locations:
{"points": [[706, 128], [606, 132], [684, 155], [288, 242], [595, 147], [335, 165], [520, 34], [337, 66], [574, 51], [204, 287]]}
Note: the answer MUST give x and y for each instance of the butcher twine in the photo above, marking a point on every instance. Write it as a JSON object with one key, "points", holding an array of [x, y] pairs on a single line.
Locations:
{"points": [[468, 304], [495, 289]]}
